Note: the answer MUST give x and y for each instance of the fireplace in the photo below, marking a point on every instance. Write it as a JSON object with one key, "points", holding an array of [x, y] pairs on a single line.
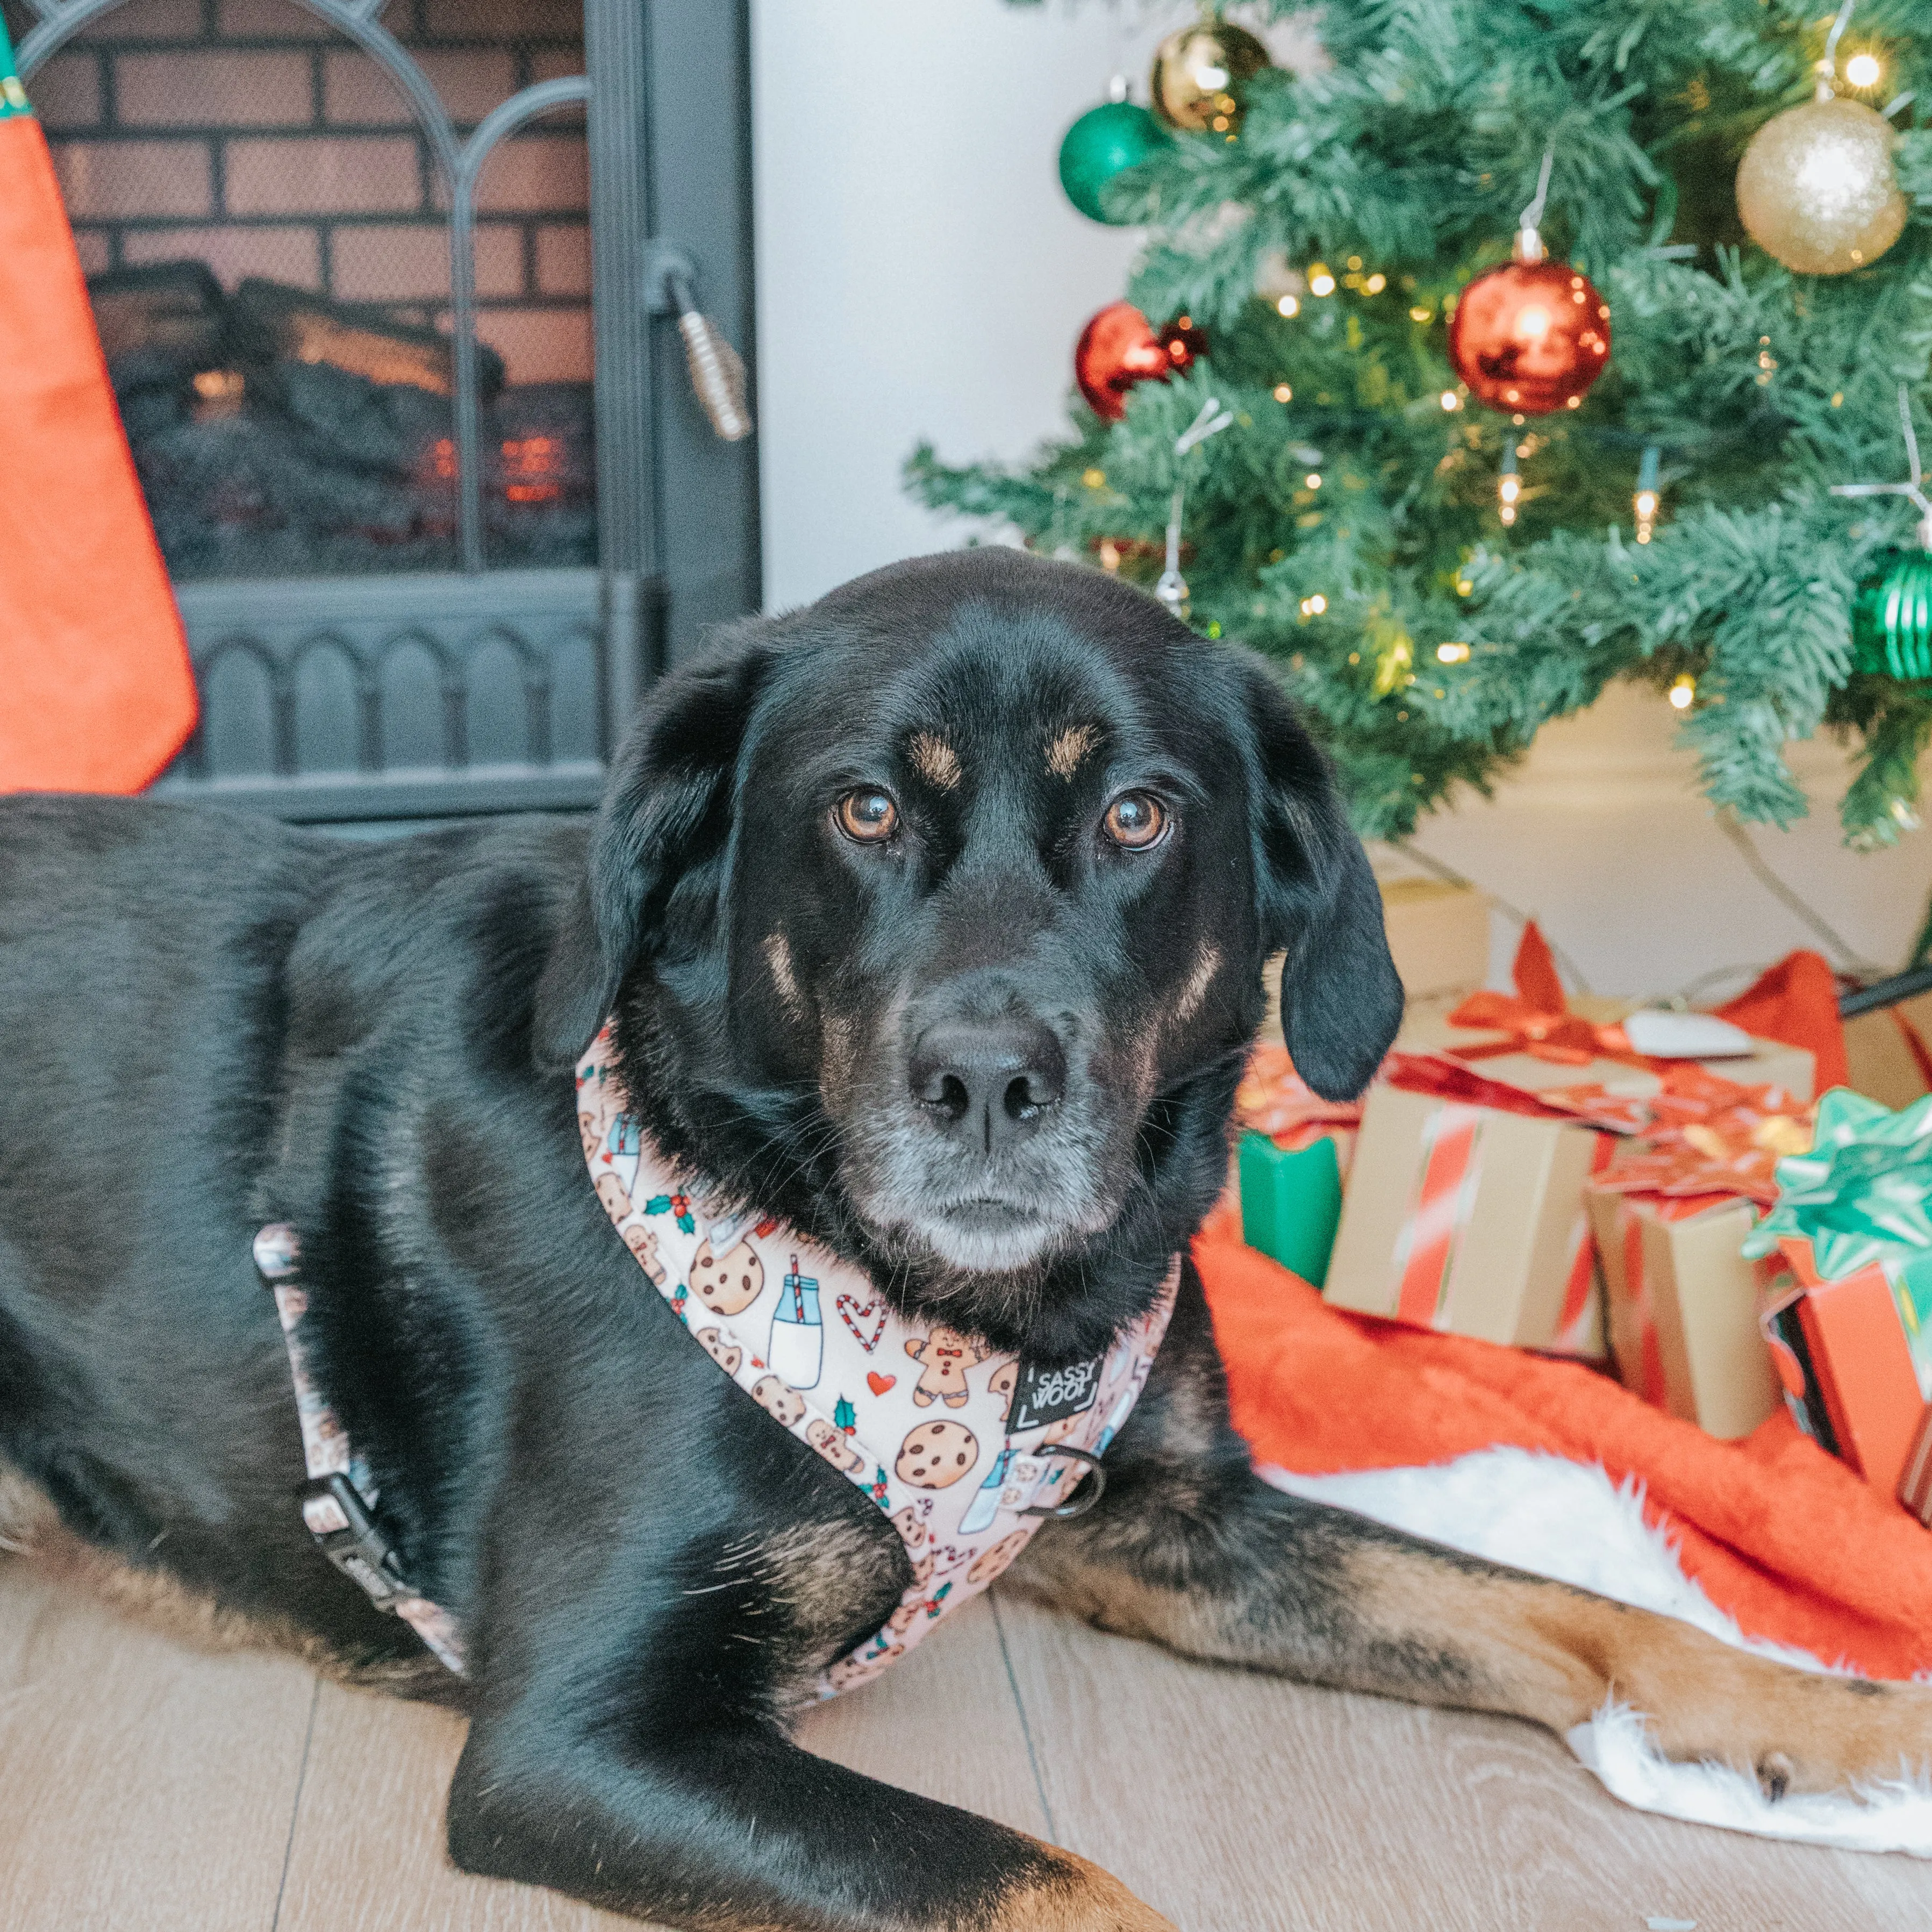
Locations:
{"points": [[372, 282]]}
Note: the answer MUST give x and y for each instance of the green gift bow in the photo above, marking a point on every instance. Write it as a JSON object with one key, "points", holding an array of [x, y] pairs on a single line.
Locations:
{"points": [[1863, 1192]]}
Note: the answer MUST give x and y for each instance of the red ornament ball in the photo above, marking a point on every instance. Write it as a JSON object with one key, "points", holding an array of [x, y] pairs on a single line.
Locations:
{"points": [[1119, 348], [1529, 336]]}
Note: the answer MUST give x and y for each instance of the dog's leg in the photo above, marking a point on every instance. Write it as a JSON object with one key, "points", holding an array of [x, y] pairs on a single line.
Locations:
{"points": [[1190, 1550], [722, 1825]]}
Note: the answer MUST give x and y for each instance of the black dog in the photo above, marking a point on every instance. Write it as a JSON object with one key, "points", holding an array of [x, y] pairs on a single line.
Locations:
{"points": [[933, 920]]}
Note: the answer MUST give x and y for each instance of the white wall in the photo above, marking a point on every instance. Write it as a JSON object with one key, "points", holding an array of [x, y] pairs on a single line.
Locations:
{"points": [[921, 275]]}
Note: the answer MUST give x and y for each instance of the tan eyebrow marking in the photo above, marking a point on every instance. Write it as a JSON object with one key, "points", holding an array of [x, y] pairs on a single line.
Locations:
{"points": [[935, 760], [777, 957], [1064, 754], [1198, 981]]}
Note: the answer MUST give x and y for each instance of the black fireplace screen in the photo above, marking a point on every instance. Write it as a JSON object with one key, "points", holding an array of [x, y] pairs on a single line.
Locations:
{"points": [[370, 279]]}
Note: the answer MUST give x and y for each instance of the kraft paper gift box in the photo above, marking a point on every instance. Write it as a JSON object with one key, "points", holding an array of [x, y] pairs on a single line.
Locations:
{"points": [[1681, 1304], [1852, 1343], [1439, 936], [1887, 1054], [1465, 1208], [1670, 1215]]}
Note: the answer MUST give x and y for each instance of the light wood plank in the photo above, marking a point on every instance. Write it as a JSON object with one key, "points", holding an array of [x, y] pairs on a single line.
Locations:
{"points": [[142, 1784], [942, 1722], [1253, 1805], [368, 1853]]}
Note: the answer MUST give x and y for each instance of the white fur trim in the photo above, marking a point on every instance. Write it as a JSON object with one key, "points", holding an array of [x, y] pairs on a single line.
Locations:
{"points": [[1568, 1521]]}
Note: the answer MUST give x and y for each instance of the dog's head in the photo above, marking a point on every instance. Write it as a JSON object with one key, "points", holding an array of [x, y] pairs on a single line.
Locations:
{"points": [[933, 918]]}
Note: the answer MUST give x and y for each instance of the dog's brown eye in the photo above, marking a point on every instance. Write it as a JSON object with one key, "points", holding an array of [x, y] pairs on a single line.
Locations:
{"points": [[1136, 820], [867, 815]]}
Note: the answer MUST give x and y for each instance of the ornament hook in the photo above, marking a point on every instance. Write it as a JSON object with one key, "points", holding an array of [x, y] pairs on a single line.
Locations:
{"points": [[1172, 588], [1915, 490], [1529, 236], [1828, 68]]}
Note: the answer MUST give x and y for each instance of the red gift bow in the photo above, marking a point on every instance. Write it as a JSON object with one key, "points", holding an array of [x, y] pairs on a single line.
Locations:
{"points": [[1710, 1138], [1537, 1017]]}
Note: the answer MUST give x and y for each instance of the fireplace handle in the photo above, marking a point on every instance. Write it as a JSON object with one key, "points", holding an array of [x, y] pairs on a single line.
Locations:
{"points": [[717, 371]]}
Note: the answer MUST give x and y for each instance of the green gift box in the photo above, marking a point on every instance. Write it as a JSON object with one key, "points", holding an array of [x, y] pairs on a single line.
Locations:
{"points": [[1291, 1203]]}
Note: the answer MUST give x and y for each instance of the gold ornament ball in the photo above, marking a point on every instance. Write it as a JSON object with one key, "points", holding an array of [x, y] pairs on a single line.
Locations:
{"points": [[1817, 190], [1198, 74]]}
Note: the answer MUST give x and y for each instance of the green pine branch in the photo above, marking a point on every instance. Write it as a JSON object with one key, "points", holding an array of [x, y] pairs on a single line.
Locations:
{"points": [[1347, 524]]}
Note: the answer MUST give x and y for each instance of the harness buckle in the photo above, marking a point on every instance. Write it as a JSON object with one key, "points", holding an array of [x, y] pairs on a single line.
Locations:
{"points": [[1086, 1492], [335, 1515]]}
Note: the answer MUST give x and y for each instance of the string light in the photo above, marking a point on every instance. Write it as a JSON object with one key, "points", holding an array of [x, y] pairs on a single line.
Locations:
{"points": [[1419, 313], [1288, 305], [1683, 692], [1451, 400], [1864, 70], [1313, 479], [1644, 503], [1452, 653], [1321, 279], [1313, 607], [1283, 394], [1375, 284], [1509, 485], [1094, 479]]}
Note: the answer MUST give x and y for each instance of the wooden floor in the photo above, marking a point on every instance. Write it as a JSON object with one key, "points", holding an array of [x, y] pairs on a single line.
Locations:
{"points": [[148, 1788]]}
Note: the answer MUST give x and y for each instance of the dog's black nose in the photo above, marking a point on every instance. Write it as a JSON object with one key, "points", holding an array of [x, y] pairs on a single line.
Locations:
{"points": [[993, 1080]]}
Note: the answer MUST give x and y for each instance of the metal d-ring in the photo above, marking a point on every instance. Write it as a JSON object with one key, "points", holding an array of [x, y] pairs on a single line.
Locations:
{"points": [[1086, 1493]]}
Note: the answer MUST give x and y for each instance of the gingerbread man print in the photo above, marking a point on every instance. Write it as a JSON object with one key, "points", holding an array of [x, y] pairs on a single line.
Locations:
{"points": [[831, 1443], [944, 1356]]}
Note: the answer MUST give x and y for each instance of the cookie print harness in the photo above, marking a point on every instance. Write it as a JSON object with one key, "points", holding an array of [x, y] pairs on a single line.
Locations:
{"points": [[964, 1449]]}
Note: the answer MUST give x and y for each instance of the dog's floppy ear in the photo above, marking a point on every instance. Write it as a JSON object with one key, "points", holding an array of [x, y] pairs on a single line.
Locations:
{"points": [[1341, 1001], [658, 843]]}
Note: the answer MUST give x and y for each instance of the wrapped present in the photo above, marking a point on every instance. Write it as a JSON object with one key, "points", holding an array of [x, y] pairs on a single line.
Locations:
{"points": [[1852, 1343], [1670, 1215], [1887, 1054], [1439, 936], [1465, 1208], [1290, 1163], [1538, 1022], [1915, 1483]]}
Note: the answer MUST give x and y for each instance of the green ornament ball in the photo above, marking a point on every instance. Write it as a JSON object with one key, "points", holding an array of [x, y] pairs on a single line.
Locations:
{"points": [[1105, 142], [1891, 618]]}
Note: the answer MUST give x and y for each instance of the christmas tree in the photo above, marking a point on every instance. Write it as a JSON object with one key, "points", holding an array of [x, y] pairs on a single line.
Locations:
{"points": [[1436, 578]]}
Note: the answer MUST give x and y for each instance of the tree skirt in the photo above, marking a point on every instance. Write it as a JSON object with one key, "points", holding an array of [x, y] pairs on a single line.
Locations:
{"points": [[1552, 1468]]}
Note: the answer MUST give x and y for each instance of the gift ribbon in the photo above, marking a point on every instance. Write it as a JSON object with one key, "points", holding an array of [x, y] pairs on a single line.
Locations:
{"points": [[1710, 1138], [1445, 1196], [1587, 1104], [1536, 1018]]}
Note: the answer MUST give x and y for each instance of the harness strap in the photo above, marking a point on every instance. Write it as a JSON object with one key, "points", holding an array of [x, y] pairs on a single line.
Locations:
{"points": [[338, 1501]]}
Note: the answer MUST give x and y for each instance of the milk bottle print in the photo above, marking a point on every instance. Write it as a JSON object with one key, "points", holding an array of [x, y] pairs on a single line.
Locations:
{"points": [[797, 1352], [985, 1505]]}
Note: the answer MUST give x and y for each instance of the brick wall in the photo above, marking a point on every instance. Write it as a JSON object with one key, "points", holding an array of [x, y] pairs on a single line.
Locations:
{"points": [[247, 133]]}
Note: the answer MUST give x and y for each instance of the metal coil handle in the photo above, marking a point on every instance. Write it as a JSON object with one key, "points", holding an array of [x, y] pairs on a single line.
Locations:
{"points": [[716, 369]]}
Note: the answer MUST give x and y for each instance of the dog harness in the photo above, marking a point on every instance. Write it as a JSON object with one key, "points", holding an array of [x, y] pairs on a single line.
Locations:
{"points": [[963, 1448]]}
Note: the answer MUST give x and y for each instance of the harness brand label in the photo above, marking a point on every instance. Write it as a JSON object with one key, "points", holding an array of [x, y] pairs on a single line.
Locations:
{"points": [[1050, 1395]]}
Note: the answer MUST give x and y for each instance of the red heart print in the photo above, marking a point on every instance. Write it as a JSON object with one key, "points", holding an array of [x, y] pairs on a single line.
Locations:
{"points": [[878, 1383], [852, 1311]]}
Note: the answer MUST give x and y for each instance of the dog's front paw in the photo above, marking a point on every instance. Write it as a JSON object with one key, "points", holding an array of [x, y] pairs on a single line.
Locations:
{"points": [[1792, 1730], [1076, 1896]]}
